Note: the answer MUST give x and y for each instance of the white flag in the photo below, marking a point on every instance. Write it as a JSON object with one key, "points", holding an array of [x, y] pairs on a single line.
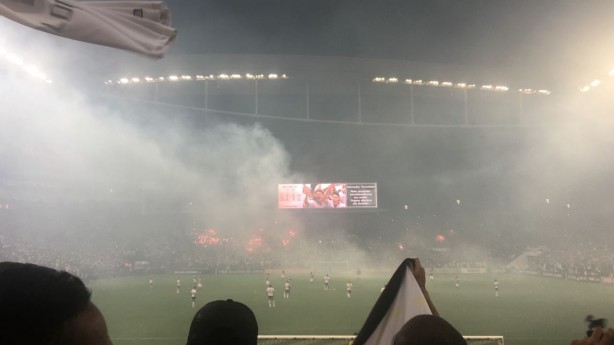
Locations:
{"points": [[141, 26], [400, 301]]}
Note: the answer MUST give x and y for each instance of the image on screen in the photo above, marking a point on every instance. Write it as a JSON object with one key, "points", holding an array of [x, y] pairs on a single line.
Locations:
{"points": [[327, 195]]}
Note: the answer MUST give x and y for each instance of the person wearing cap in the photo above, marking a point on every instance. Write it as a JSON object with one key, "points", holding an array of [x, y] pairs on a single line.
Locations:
{"points": [[428, 330], [224, 323]]}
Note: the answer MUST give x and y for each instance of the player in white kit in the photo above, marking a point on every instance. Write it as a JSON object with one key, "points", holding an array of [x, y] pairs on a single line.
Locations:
{"points": [[270, 292]]}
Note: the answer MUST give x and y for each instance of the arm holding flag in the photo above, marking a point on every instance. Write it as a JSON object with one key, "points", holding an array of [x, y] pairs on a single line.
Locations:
{"points": [[420, 274], [600, 336], [404, 297]]}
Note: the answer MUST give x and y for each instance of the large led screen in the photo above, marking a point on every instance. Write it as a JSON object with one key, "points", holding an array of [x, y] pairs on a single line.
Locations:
{"points": [[327, 195]]}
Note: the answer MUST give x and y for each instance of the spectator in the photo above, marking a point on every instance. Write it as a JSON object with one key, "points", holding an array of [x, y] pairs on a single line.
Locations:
{"points": [[600, 336], [428, 330], [42, 306], [224, 323]]}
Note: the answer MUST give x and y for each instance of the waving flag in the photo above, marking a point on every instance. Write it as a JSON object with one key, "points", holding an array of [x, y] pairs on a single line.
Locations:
{"points": [[141, 26], [401, 300]]}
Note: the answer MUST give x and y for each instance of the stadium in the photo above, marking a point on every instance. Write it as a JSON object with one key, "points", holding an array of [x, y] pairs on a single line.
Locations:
{"points": [[134, 173]]}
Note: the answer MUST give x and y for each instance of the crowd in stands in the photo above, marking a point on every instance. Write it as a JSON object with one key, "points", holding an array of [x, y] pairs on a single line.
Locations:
{"points": [[91, 258], [86, 261], [95, 254], [587, 258]]}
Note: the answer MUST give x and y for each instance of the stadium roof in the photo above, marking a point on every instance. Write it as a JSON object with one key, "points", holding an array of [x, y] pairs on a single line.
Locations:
{"points": [[546, 44], [547, 40]]}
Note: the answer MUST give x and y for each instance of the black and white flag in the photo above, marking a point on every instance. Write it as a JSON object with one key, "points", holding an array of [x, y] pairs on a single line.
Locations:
{"points": [[400, 301], [141, 26]]}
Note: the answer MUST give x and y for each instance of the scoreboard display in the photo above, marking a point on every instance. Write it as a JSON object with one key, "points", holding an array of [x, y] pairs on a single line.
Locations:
{"points": [[327, 195]]}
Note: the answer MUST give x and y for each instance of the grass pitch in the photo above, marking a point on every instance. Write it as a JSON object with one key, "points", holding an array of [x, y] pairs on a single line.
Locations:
{"points": [[528, 311]]}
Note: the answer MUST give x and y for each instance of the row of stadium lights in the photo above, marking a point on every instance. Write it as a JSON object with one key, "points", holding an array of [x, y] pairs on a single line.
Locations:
{"points": [[175, 78], [465, 86], [36, 72], [29, 68], [595, 83], [274, 76]]}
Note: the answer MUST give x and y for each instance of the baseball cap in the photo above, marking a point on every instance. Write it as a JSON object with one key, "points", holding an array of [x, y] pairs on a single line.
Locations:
{"points": [[428, 329], [224, 323]]}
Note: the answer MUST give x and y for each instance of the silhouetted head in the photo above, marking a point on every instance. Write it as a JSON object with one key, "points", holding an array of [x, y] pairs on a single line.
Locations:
{"points": [[224, 323], [428, 330], [43, 306]]}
